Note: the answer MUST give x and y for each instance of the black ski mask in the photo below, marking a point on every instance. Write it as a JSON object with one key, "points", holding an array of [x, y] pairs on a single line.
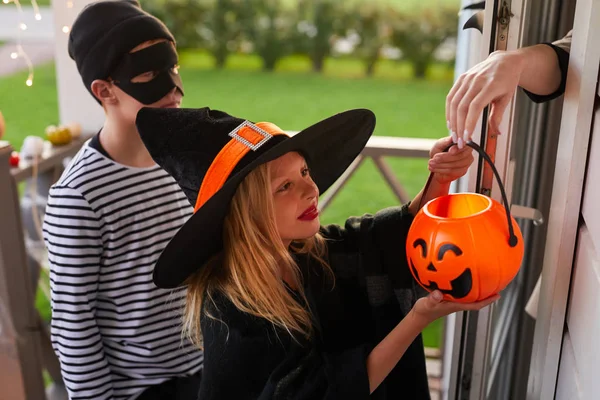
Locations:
{"points": [[100, 42], [160, 58]]}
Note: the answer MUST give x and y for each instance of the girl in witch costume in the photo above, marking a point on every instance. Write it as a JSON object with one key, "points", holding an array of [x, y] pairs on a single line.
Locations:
{"points": [[283, 307]]}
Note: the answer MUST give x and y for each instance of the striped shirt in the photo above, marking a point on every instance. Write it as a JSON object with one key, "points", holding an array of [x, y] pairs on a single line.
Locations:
{"points": [[114, 332]]}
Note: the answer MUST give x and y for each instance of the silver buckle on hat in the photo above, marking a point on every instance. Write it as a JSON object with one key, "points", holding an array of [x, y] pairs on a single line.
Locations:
{"points": [[265, 135]]}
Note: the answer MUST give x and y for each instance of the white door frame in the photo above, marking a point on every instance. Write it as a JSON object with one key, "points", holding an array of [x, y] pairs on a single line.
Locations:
{"points": [[482, 339], [563, 220]]}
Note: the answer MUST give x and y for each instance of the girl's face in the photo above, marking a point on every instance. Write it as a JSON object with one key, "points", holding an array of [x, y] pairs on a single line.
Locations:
{"points": [[295, 198]]}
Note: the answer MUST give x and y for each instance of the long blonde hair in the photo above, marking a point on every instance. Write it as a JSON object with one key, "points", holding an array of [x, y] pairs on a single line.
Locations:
{"points": [[248, 271]]}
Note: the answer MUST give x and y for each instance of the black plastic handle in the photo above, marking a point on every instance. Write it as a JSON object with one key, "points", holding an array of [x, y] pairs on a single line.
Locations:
{"points": [[512, 239]]}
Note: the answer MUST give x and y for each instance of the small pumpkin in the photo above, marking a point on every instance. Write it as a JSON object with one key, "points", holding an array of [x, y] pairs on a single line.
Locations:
{"points": [[58, 136], [75, 129], [459, 244], [465, 245]]}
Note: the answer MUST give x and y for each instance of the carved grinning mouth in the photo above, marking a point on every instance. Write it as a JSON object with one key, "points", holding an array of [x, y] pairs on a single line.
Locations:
{"points": [[461, 286]]}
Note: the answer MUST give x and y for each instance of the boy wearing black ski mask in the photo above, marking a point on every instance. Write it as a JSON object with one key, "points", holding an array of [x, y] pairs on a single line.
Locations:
{"points": [[110, 215]]}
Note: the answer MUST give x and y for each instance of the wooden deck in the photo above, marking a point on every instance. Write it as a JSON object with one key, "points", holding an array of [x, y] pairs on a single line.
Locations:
{"points": [[434, 372]]}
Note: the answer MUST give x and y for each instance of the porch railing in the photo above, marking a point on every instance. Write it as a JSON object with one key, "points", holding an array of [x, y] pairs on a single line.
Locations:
{"points": [[25, 348]]}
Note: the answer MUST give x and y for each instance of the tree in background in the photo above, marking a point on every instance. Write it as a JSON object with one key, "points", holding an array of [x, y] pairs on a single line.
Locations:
{"points": [[210, 24], [184, 18], [223, 29], [269, 26], [320, 23], [273, 29], [373, 26], [420, 33]]}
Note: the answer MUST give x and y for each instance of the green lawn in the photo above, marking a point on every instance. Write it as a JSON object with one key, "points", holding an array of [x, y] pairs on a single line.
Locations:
{"points": [[292, 98]]}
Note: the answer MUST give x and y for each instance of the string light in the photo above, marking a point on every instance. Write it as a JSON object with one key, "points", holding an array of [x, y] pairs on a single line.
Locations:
{"points": [[20, 52], [69, 4], [66, 29], [36, 10]]}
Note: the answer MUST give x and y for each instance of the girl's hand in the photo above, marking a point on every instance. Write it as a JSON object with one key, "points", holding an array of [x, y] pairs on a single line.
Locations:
{"points": [[451, 165], [432, 307]]}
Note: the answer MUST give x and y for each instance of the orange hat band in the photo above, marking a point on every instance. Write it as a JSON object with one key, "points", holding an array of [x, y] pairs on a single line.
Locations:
{"points": [[245, 138]]}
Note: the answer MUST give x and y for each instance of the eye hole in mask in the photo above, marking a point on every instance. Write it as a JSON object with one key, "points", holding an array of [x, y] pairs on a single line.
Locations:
{"points": [[150, 74]]}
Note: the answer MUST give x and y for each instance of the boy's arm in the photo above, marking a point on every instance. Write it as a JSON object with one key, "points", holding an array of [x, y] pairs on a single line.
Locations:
{"points": [[73, 239]]}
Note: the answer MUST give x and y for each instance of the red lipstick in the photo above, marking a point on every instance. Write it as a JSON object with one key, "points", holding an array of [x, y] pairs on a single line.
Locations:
{"points": [[309, 214]]}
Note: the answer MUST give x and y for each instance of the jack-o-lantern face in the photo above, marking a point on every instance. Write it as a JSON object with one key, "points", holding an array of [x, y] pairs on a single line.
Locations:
{"points": [[460, 286], [459, 244]]}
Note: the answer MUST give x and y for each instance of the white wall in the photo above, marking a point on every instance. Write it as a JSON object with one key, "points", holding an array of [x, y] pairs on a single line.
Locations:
{"points": [[568, 386], [580, 356], [591, 195], [571, 270], [75, 103]]}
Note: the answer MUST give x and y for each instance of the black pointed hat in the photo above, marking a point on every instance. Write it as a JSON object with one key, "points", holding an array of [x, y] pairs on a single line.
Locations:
{"points": [[210, 152]]}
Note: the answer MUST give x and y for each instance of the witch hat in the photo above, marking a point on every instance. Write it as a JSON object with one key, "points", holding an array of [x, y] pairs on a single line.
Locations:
{"points": [[210, 152]]}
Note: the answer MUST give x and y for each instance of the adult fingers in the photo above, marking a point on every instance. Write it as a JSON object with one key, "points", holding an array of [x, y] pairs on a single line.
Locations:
{"points": [[454, 101], [455, 88], [472, 102], [497, 112]]}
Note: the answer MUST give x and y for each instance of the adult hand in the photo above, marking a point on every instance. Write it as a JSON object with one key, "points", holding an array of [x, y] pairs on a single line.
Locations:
{"points": [[492, 82]]}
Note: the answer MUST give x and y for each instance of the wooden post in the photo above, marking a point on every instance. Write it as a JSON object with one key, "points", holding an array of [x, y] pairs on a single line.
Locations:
{"points": [[20, 352]]}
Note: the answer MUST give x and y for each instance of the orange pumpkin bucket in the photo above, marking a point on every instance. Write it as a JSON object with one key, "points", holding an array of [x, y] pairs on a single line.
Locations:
{"points": [[465, 245]]}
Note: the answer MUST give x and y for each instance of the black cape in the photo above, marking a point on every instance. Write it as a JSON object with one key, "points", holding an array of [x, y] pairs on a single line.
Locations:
{"points": [[246, 358]]}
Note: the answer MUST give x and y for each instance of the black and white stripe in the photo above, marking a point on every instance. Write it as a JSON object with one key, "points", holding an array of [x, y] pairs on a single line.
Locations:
{"points": [[114, 332]]}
